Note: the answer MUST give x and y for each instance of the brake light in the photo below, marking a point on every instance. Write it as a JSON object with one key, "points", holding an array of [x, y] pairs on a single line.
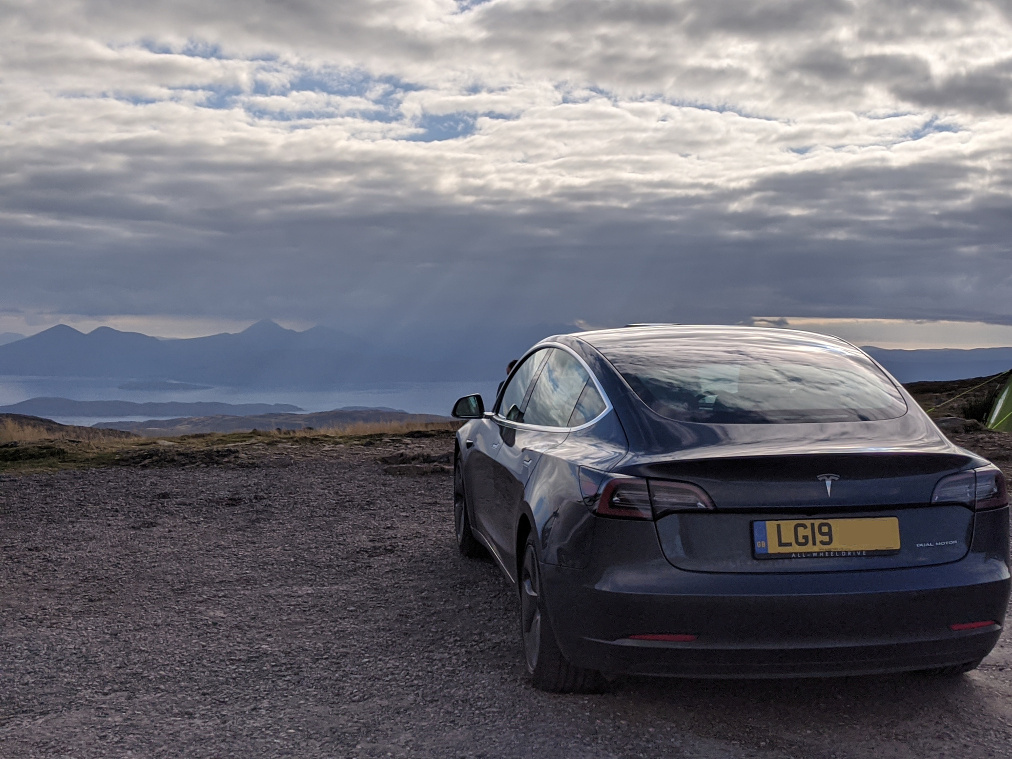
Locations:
{"points": [[637, 498], [979, 489]]}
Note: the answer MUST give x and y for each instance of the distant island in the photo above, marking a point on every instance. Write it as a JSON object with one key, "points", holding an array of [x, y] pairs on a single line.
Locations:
{"points": [[64, 407]]}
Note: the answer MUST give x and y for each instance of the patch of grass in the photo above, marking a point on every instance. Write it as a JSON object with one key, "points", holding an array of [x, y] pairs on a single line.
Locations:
{"points": [[11, 453], [29, 443]]}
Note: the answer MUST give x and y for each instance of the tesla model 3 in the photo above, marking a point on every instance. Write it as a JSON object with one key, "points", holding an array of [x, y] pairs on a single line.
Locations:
{"points": [[728, 501]]}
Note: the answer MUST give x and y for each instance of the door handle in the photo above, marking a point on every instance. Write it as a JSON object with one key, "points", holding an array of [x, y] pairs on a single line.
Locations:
{"points": [[468, 443]]}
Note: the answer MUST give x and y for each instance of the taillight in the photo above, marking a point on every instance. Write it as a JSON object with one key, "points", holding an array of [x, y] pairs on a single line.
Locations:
{"points": [[636, 498], [667, 497], [956, 488], [626, 498], [979, 489], [991, 491]]}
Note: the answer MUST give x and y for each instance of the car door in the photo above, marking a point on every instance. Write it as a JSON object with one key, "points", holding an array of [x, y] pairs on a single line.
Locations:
{"points": [[543, 424], [486, 442]]}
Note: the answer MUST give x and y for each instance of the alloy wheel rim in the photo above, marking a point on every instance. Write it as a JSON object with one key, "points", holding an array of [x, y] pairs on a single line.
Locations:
{"points": [[530, 612]]}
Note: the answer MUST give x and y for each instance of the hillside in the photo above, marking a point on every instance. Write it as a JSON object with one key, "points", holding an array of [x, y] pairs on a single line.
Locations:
{"points": [[339, 418], [945, 365]]}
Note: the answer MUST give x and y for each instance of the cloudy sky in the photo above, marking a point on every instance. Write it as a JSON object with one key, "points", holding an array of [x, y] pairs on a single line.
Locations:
{"points": [[404, 165]]}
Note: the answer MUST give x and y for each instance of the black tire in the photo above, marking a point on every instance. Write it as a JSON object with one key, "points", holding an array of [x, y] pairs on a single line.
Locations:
{"points": [[548, 668], [466, 542], [954, 670]]}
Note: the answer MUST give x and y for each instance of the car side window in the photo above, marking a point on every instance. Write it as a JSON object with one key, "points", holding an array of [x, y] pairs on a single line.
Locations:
{"points": [[590, 406], [516, 389], [556, 391]]}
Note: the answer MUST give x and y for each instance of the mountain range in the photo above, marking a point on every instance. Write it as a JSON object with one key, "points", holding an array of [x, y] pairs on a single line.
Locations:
{"points": [[268, 356], [264, 355]]}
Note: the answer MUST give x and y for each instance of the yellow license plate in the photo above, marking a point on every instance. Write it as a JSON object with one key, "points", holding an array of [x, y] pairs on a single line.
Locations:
{"points": [[825, 538]]}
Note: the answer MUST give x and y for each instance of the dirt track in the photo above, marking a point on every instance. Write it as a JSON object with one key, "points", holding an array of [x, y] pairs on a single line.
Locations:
{"points": [[305, 602]]}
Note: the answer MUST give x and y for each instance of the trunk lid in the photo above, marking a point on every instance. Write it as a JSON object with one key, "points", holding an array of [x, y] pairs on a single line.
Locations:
{"points": [[813, 489]]}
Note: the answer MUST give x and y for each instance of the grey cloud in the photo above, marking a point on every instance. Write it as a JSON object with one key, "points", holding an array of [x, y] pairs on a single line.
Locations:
{"points": [[693, 19], [599, 198], [902, 21], [987, 89], [834, 66], [757, 20], [1002, 6], [981, 90]]}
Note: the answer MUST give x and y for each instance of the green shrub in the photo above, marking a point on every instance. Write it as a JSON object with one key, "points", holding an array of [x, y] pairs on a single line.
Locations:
{"points": [[10, 453], [979, 406]]}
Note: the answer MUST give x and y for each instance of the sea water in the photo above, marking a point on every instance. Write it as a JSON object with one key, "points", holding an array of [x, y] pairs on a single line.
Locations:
{"points": [[420, 398]]}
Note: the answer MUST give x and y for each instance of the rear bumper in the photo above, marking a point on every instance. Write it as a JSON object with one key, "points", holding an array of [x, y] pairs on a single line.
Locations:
{"points": [[776, 636], [782, 625]]}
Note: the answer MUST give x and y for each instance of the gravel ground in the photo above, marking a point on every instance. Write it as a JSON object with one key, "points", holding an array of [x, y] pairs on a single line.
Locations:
{"points": [[310, 602]]}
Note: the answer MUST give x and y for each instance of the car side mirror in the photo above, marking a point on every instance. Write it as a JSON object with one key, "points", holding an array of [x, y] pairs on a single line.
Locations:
{"points": [[469, 407]]}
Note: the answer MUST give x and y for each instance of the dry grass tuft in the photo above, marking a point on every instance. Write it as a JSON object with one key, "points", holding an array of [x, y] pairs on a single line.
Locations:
{"points": [[13, 432], [26, 430]]}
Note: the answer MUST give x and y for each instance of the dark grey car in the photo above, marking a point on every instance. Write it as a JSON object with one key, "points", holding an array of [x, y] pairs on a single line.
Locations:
{"points": [[729, 502]]}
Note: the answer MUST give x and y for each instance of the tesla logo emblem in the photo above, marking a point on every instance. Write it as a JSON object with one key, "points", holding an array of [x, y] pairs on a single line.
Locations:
{"points": [[829, 479]]}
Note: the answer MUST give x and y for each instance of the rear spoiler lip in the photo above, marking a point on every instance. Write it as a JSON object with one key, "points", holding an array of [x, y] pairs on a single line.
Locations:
{"points": [[705, 463]]}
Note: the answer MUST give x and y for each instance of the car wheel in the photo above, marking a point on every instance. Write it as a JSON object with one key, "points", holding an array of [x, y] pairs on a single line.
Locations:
{"points": [[466, 541], [954, 670], [548, 668]]}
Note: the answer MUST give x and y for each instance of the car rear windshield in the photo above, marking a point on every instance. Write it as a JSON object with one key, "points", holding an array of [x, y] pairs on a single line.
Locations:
{"points": [[742, 382]]}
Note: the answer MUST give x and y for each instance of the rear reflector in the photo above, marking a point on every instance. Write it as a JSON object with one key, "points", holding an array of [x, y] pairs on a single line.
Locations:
{"points": [[665, 638], [972, 625]]}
